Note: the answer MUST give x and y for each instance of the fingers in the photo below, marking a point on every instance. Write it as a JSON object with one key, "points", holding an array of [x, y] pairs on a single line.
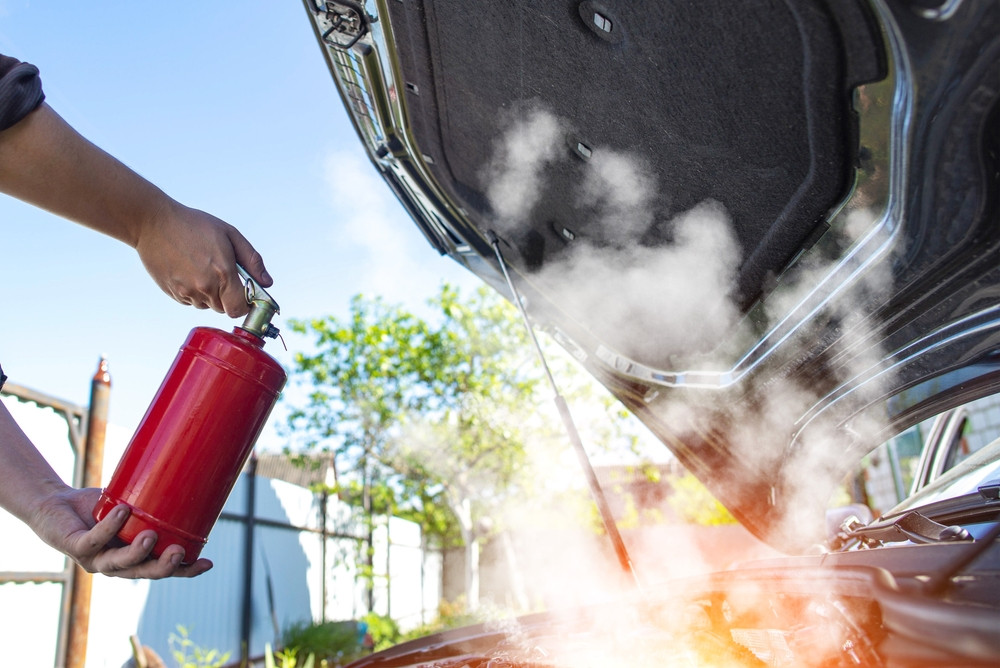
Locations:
{"points": [[124, 561], [168, 565], [65, 521], [248, 258], [102, 533], [233, 294], [134, 561]]}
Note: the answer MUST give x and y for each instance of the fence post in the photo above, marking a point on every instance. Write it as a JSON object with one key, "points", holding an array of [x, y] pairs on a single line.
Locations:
{"points": [[251, 513], [323, 505], [93, 462]]}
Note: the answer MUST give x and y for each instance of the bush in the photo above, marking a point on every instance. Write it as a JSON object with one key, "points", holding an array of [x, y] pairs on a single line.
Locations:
{"points": [[450, 616], [383, 632], [334, 642], [189, 655]]}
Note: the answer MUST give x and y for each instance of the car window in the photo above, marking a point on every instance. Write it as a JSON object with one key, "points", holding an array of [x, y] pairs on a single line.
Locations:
{"points": [[916, 457], [982, 427], [959, 433]]}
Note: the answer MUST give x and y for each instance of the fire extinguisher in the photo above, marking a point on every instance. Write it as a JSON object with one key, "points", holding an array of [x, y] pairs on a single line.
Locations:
{"points": [[198, 432]]}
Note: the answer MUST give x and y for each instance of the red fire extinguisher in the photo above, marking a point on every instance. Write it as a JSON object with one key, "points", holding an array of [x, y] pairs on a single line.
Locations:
{"points": [[197, 433]]}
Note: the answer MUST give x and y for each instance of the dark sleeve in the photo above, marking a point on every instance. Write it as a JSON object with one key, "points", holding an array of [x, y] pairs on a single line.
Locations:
{"points": [[20, 90]]}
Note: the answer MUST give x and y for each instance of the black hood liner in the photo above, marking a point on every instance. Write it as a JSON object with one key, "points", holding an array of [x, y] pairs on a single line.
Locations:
{"points": [[748, 105]]}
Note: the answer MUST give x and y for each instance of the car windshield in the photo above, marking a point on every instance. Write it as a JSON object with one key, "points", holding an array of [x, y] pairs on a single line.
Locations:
{"points": [[920, 456], [974, 471]]}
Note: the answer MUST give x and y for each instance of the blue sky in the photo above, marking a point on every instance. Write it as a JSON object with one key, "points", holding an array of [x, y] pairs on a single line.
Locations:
{"points": [[228, 107]]}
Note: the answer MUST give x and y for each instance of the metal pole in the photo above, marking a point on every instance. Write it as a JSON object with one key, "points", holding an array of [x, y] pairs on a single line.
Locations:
{"points": [[247, 620], [894, 468], [93, 462], [323, 501], [595, 486]]}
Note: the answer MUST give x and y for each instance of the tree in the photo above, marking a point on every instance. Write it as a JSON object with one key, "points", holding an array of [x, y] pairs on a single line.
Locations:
{"points": [[425, 421], [474, 443], [435, 421], [362, 380], [693, 503]]}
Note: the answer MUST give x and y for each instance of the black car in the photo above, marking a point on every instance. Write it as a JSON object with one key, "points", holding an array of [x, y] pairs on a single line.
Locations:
{"points": [[771, 229]]}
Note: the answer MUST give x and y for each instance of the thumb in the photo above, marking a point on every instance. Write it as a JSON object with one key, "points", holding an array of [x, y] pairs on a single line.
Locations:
{"points": [[248, 258]]}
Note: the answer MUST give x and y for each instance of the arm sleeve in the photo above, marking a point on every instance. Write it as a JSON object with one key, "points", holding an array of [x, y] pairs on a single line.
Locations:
{"points": [[20, 90]]}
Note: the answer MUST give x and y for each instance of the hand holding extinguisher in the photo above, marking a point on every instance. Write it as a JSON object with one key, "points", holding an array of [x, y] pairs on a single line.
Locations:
{"points": [[190, 446]]}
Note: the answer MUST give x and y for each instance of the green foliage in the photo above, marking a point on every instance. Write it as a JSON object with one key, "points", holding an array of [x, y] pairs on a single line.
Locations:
{"points": [[383, 630], [189, 655], [450, 616], [286, 658], [420, 414], [438, 421], [693, 503], [335, 642]]}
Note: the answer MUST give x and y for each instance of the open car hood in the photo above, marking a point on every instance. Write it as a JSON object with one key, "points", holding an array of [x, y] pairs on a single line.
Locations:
{"points": [[770, 229]]}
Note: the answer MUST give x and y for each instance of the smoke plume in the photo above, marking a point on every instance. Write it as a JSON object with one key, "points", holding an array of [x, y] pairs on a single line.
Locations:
{"points": [[674, 303], [658, 303], [516, 174]]}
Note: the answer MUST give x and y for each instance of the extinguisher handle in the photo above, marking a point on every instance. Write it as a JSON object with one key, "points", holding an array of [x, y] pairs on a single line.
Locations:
{"points": [[253, 290], [262, 307]]}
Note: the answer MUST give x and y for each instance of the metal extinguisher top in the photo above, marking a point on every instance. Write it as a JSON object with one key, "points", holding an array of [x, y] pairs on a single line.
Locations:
{"points": [[262, 308]]}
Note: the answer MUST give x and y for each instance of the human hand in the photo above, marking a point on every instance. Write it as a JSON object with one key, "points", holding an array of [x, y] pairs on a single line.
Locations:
{"points": [[64, 521], [192, 256]]}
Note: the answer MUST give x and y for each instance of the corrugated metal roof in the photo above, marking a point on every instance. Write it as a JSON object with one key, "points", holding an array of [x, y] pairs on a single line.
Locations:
{"points": [[313, 470]]}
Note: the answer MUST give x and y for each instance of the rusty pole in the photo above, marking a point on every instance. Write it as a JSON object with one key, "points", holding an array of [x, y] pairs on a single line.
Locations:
{"points": [[93, 462]]}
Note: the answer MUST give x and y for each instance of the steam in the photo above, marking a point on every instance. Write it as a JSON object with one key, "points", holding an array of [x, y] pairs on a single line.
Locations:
{"points": [[674, 304], [617, 187], [515, 176], [653, 303], [680, 292]]}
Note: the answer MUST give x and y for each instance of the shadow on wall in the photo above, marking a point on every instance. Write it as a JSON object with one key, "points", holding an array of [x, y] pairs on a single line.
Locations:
{"points": [[211, 606]]}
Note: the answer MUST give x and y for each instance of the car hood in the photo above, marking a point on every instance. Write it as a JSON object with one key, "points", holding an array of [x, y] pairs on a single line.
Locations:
{"points": [[770, 230]]}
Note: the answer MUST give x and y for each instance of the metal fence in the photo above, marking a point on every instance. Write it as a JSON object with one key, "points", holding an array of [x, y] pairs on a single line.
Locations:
{"points": [[71, 582]]}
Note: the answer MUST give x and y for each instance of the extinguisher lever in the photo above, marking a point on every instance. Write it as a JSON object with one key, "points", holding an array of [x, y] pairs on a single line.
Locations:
{"points": [[262, 307]]}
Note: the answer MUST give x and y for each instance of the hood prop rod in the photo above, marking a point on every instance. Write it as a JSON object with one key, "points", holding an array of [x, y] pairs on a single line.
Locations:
{"points": [[574, 436]]}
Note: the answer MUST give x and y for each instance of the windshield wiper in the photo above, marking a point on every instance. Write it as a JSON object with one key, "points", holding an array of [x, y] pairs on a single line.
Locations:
{"points": [[939, 582], [913, 527]]}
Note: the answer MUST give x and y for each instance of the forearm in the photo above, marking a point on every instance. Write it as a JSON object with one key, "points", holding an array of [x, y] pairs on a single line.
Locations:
{"points": [[45, 162], [26, 479]]}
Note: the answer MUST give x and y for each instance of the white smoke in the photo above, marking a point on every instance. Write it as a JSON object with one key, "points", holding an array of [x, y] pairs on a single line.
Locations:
{"points": [[650, 300], [516, 175], [618, 188], [651, 303], [675, 301]]}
